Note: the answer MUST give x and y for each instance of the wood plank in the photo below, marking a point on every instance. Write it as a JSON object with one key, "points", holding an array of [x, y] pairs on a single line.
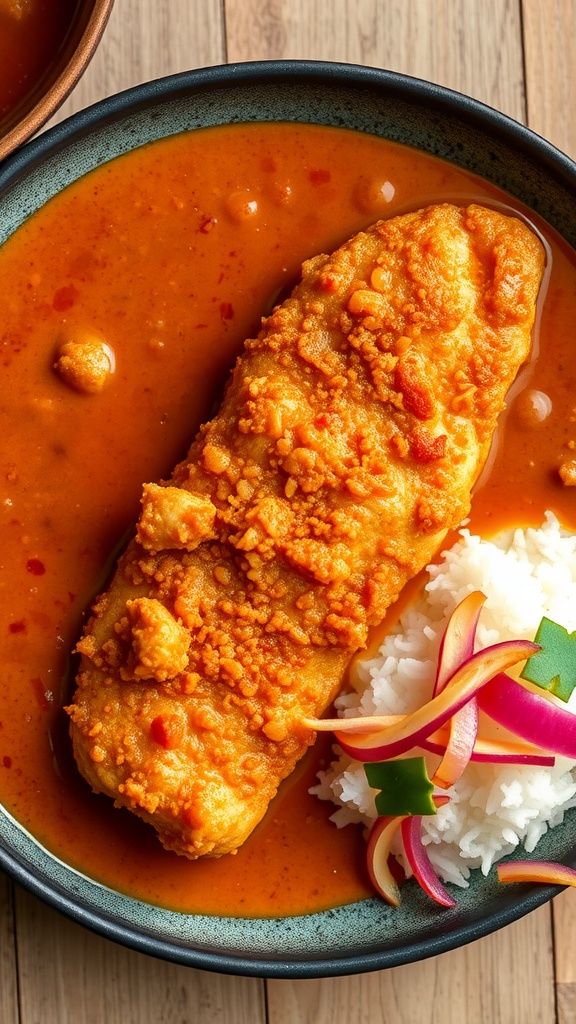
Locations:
{"points": [[70, 976], [470, 45], [564, 910], [8, 975], [145, 39], [550, 46], [479, 983], [566, 1005], [550, 52]]}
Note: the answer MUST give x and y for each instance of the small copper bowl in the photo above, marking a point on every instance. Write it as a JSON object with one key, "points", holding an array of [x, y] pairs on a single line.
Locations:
{"points": [[44, 98]]}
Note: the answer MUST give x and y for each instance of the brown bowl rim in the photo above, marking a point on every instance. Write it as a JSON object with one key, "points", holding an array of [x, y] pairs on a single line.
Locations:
{"points": [[63, 84]]}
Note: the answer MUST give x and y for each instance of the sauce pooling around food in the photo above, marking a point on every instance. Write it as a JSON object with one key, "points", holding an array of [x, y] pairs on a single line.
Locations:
{"points": [[115, 344]]}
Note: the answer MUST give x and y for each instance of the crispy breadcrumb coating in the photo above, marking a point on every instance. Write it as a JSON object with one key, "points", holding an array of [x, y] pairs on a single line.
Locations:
{"points": [[350, 436]]}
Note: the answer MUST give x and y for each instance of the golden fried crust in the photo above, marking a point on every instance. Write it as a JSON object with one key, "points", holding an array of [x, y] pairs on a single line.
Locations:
{"points": [[351, 433]]}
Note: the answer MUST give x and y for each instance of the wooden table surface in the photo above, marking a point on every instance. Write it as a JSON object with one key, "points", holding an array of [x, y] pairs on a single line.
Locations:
{"points": [[520, 57]]}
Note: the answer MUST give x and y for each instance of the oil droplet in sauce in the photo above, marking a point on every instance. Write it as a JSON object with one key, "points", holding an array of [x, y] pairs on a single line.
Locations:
{"points": [[532, 407]]}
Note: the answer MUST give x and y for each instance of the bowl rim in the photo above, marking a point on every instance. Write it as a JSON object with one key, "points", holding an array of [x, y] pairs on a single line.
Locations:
{"points": [[563, 169], [234, 964], [64, 83], [442, 98]]}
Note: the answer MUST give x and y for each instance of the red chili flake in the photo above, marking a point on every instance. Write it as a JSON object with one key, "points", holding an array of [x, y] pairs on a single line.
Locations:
{"points": [[7, 761], [167, 731], [226, 310], [268, 164], [319, 177], [328, 284], [207, 225], [35, 566], [321, 421], [43, 696], [425, 447], [17, 627], [65, 298], [415, 390]]}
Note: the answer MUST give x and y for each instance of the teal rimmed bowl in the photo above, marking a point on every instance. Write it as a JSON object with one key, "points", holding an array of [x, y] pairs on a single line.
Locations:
{"points": [[368, 935]]}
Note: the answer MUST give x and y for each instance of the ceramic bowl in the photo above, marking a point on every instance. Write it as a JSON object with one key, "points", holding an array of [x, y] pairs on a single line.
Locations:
{"points": [[367, 935], [45, 95]]}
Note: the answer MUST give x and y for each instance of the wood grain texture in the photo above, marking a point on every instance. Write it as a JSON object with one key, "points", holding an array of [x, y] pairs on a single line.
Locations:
{"points": [[70, 976], [62, 973], [566, 1005], [564, 909], [564, 919], [473, 46], [550, 40], [473, 985], [8, 969], [147, 39]]}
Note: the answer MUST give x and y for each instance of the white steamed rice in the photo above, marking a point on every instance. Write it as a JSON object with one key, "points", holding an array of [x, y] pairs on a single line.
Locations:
{"points": [[524, 574]]}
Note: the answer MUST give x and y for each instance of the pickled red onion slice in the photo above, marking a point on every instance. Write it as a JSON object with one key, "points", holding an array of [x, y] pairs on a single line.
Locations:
{"points": [[378, 858], [375, 739], [536, 719], [419, 860], [456, 647]]}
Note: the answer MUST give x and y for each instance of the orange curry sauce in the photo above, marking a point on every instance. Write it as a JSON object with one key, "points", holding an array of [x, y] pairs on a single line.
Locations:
{"points": [[32, 34], [171, 255]]}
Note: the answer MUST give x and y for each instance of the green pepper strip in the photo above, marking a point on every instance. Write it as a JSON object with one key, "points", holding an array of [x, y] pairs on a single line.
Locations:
{"points": [[553, 668], [404, 784]]}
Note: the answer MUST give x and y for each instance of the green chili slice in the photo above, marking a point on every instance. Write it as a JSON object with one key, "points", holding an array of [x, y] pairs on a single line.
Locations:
{"points": [[553, 668], [404, 785]]}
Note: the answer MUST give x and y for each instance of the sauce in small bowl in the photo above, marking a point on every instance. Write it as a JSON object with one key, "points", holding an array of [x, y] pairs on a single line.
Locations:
{"points": [[44, 49]]}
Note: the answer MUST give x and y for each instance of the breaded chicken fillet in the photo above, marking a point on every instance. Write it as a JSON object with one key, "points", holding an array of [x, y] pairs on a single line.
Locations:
{"points": [[349, 438]]}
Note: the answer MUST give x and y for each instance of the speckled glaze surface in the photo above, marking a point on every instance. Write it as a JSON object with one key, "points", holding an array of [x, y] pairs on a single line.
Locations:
{"points": [[365, 936]]}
